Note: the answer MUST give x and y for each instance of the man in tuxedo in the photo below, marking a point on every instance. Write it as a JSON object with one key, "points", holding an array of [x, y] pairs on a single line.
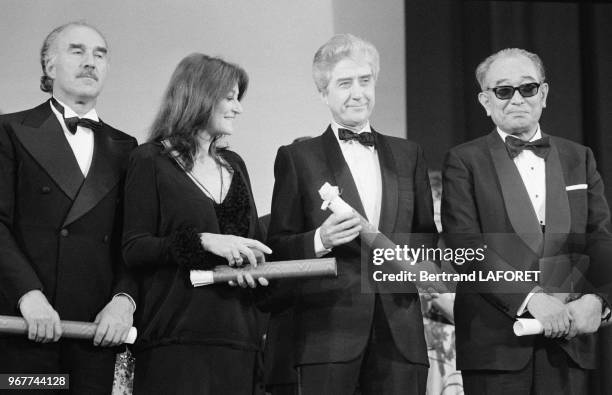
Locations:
{"points": [[62, 172], [531, 198], [347, 334]]}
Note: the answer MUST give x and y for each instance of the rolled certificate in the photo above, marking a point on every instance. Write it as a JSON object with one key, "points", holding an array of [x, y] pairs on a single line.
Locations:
{"points": [[531, 326], [325, 267], [369, 233], [332, 201], [527, 327], [374, 239], [70, 329]]}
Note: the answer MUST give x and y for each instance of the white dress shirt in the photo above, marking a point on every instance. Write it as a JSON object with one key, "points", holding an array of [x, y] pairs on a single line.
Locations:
{"points": [[363, 163], [82, 142], [532, 169]]}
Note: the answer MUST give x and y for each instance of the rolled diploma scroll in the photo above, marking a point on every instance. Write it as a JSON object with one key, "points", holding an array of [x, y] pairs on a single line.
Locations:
{"points": [[527, 326], [70, 329], [374, 238], [369, 233], [325, 267], [531, 326]]}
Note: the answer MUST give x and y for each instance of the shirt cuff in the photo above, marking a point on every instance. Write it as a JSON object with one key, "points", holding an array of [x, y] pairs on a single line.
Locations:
{"points": [[605, 309], [319, 248], [605, 316], [523, 307], [129, 297]]}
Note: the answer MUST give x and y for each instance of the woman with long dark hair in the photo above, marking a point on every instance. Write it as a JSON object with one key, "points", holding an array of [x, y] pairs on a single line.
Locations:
{"points": [[189, 205]]}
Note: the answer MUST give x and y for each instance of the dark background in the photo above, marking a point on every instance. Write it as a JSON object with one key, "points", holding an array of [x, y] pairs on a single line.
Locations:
{"points": [[447, 39]]}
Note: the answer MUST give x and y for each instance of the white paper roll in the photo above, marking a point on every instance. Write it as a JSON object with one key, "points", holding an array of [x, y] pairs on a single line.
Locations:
{"points": [[332, 200], [132, 335], [527, 327], [201, 277]]}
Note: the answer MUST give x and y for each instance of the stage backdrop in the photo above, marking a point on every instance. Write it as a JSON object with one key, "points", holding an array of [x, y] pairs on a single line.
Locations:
{"points": [[445, 41]]}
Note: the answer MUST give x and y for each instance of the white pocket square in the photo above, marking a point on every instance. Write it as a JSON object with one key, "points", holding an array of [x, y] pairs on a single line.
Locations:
{"points": [[577, 186]]}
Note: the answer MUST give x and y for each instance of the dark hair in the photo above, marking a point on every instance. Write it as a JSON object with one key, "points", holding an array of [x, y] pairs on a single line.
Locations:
{"points": [[196, 86], [46, 82]]}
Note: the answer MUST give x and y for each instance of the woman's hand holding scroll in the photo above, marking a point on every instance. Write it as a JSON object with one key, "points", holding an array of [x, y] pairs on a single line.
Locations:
{"points": [[235, 249]]}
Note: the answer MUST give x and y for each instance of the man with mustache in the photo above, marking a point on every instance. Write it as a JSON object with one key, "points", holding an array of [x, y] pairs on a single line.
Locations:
{"points": [[62, 172], [537, 202], [348, 333]]}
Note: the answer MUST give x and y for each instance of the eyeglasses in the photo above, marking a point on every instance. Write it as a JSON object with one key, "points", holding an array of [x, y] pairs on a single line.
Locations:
{"points": [[506, 92]]}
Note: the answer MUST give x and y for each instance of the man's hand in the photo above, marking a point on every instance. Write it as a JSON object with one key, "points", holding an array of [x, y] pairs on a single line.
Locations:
{"points": [[552, 313], [340, 229], [586, 313], [114, 322], [43, 321]]}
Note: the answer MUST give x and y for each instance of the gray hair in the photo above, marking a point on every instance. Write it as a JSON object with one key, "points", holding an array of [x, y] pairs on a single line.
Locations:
{"points": [[339, 47], [483, 67], [46, 82]]}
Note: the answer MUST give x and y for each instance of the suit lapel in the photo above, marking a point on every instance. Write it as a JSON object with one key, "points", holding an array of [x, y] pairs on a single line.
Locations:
{"points": [[103, 174], [42, 136], [516, 199], [341, 171], [390, 196], [557, 205]]}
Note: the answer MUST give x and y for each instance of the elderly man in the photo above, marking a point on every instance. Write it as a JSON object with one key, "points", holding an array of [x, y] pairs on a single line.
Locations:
{"points": [[536, 198], [347, 334], [62, 171]]}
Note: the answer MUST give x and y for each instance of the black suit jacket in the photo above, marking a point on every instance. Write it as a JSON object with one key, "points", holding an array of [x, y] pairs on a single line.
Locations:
{"points": [[60, 232], [484, 194], [333, 316]]}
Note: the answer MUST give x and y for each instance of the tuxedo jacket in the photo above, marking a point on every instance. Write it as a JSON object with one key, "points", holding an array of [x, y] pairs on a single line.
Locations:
{"points": [[60, 231], [333, 316], [484, 198]]}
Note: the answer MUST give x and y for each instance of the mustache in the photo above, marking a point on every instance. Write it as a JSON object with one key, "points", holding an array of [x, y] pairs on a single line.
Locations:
{"points": [[87, 74]]}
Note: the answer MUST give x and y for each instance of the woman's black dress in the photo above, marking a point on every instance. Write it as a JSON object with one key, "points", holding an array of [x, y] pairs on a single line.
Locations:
{"points": [[191, 340]]}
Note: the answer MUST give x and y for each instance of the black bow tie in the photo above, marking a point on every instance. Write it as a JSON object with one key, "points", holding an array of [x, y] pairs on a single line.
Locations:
{"points": [[365, 138], [73, 122], [515, 146]]}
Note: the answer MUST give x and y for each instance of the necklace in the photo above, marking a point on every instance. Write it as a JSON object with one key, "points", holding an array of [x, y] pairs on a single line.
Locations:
{"points": [[206, 189], [176, 156]]}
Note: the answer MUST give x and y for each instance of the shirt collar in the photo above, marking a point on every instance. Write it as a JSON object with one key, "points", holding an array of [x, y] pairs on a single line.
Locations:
{"points": [[69, 112], [536, 136]]}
